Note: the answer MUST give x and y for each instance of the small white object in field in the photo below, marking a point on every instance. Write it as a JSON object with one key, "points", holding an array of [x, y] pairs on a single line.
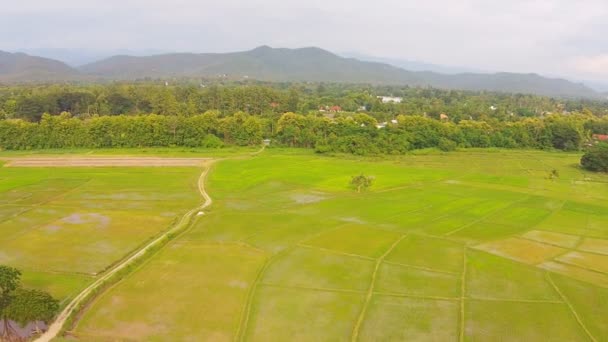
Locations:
{"points": [[200, 213]]}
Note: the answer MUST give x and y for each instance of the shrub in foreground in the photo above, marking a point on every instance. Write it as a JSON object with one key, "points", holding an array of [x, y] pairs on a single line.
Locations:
{"points": [[596, 159]]}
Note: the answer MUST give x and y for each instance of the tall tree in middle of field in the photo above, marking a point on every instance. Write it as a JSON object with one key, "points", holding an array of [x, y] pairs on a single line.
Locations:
{"points": [[361, 182]]}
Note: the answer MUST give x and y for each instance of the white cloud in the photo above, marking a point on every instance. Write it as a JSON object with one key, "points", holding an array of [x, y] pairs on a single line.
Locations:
{"points": [[542, 36], [592, 65]]}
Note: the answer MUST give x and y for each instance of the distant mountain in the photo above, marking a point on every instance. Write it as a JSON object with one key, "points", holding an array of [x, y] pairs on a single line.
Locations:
{"points": [[263, 63], [79, 57], [413, 65], [19, 67], [597, 85], [269, 64], [317, 65]]}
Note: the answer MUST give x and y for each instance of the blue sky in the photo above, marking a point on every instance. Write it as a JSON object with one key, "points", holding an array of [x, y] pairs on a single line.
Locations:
{"points": [[552, 37]]}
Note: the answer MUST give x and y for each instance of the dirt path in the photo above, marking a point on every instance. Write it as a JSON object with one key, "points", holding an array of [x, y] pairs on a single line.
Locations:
{"points": [[55, 328], [101, 161]]}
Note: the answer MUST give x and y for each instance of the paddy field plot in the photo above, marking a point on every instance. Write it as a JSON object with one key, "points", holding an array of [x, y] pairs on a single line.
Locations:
{"points": [[471, 246], [64, 226]]}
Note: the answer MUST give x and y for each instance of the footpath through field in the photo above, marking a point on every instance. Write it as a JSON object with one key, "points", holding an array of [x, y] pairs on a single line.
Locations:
{"points": [[56, 326]]}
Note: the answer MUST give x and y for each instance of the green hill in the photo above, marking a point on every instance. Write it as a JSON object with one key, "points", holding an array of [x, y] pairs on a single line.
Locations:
{"points": [[318, 65], [264, 63], [20, 67]]}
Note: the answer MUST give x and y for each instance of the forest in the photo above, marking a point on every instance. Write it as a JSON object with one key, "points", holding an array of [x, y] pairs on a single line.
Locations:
{"points": [[325, 117]]}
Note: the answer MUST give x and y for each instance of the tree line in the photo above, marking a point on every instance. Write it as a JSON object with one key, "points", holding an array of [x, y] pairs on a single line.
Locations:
{"points": [[356, 133], [29, 102]]}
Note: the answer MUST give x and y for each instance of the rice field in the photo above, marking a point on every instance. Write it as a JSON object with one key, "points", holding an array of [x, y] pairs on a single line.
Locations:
{"points": [[62, 227], [475, 245]]}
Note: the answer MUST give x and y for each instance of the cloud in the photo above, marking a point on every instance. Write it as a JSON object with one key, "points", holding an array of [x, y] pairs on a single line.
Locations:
{"points": [[592, 65], [542, 36]]}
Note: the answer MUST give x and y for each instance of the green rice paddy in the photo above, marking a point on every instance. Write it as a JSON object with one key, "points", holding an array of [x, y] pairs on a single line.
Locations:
{"points": [[471, 246]]}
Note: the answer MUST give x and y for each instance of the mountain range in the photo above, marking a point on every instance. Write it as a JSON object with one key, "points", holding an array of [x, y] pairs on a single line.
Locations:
{"points": [[264, 63]]}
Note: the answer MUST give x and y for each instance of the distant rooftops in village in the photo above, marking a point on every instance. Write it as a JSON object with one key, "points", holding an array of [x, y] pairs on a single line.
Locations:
{"points": [[600, 137], [390, 99]]}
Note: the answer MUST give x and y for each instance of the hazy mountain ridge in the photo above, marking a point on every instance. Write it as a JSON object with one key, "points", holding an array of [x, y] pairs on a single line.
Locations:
{"points": [[279, 64], [20, 67]]}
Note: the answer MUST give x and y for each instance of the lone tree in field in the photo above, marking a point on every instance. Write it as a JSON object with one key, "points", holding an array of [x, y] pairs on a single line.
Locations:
{"points": [[22, 305], [361, 182]]}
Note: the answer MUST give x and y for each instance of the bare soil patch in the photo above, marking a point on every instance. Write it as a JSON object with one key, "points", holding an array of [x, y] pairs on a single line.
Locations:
{"points": [[525, 251], [102, 161]]}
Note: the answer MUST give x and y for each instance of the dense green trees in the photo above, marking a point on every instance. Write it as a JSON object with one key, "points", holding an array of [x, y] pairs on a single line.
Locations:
{"points": [[22, 305], [30, 102], [596, 159], [149, 114], [64, 131], [357, 133]]}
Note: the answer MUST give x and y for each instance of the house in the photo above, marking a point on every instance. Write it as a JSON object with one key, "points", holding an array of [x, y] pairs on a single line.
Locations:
{"points": [[333, 109], [382, 125], [493, 108], [600, 137], [443, 117], [390, 99]]}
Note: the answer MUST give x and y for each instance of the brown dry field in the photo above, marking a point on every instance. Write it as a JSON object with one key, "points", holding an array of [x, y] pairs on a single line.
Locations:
{"points": [[101, 161]]}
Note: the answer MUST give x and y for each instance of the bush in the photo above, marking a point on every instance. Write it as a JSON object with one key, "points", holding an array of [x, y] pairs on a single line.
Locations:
{"points": [[211, 141], [596, 160], [446, 145], [322, 146]]}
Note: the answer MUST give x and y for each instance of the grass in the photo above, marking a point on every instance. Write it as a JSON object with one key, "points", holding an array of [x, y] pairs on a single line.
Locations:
{"points": [[484, 246], [513, 321], [410, 319], [63, 226], [187, 272]]}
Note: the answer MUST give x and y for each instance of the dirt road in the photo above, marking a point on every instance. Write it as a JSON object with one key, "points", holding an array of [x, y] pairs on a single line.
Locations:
{"points": [[55, 328], [101, 161]]}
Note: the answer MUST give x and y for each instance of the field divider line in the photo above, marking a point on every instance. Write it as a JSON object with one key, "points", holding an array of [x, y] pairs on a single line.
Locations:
{"points": [[420, 232], [422, 268], [55, 328], [30, 207], [405, 295], [323, 289], [327, 250], [59, 272], [215, 244], [463, 292], [505, 207], [370, 291], [567, 302], [246, 312], [569, 249], [567, 263], [508, 300]]}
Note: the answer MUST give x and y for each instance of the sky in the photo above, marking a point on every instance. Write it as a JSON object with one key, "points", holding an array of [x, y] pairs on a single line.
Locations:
{"points": [[551, 37]]}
